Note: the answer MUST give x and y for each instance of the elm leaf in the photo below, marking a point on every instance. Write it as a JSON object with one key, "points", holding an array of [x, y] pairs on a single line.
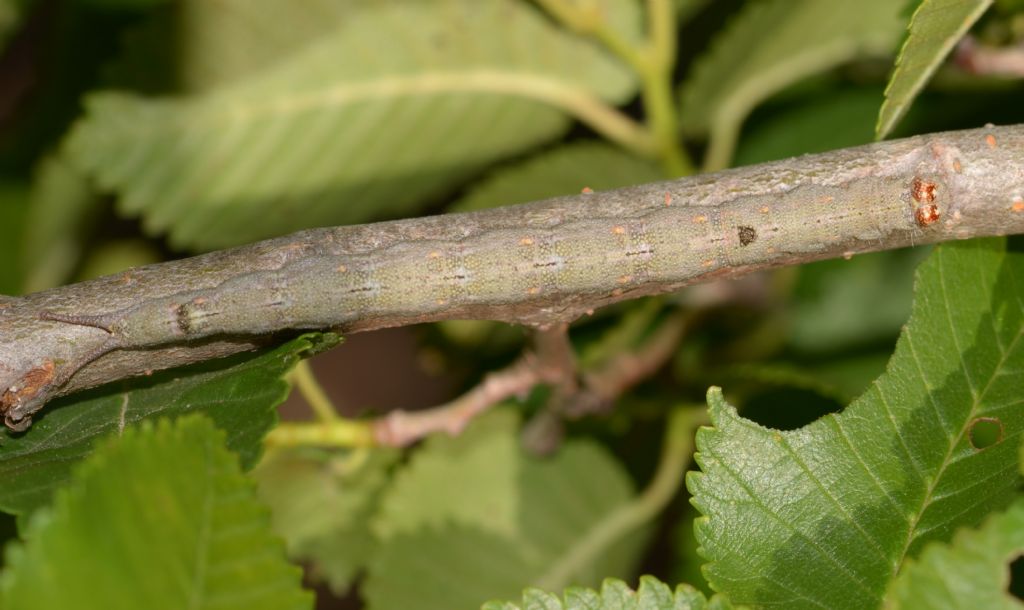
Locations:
{"points": [[159, 518], [322, 502], [240, 394], [826, 515], [561, 504], [935, 27], [392, 106], [972, 571], [771, 45], [652, 594]]}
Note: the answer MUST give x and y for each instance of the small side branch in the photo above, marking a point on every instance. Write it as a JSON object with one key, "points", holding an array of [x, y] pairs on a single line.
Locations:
{"points": [[992, 61], [550, 362]]}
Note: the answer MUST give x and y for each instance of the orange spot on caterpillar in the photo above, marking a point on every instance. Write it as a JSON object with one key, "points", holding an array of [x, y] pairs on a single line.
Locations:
{"points": [[434, 254], [619, 230], [926, 214], [442, 302], [526, 241], [1018, 205], [709, 262], [701, 219], [341, 269], [957, 167], [923, 191], [668, 199], [587, 190], [617, 292], [533, 290], [765, 209], [826, 199], [990, 140], [625, 279]]}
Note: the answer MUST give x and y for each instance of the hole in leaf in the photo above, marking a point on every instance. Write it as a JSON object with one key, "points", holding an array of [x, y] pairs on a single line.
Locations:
{"points": [[1016, 587], [985, 432]]}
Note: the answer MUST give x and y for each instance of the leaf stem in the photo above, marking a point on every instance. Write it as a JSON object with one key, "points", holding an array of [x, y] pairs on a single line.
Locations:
{"points": [[653, 60], [338, 433], [656, 67], [307, 384], [675, 455], [588, 18]]}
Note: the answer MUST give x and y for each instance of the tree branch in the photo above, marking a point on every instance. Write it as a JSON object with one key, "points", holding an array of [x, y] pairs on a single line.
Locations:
{"points": [[538, 264]]}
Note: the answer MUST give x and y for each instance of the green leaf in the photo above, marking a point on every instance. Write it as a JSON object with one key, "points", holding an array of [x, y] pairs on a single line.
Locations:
{"points": [[182, 47], [821, 121], [830, 298], [116, 256], [61, 217], [971, 572], [393, 106], [322, 503], [161, 517], [470, 479], [616, 595], [564, 170], [770, 45], [826, 515], [624, 17], [239, 393], [935, 27], [561, 505]]}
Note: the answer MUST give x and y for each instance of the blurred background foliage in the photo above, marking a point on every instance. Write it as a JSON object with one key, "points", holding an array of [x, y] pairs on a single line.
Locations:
{"points": [[135, 131]]}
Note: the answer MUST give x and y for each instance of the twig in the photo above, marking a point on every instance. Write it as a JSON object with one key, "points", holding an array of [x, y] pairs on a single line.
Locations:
{"points": [[537, 264], [995, 61], [630, 368], [551, 362], [314, 394]]}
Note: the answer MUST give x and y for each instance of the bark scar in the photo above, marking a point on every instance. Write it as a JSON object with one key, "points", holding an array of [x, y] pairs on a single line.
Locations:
{"points": [[26, 389]]}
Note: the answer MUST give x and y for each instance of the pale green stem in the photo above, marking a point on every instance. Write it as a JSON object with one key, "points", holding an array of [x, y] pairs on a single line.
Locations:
{"points": [[675, 455], [311, 390], [590, 21], [659, 104], [656, 73], [721, 147], [653, 61], [661, 28], [337, 433]]}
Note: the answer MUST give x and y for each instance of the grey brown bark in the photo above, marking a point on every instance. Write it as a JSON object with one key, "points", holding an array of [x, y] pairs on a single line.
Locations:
{"points": [[537, 264]]}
